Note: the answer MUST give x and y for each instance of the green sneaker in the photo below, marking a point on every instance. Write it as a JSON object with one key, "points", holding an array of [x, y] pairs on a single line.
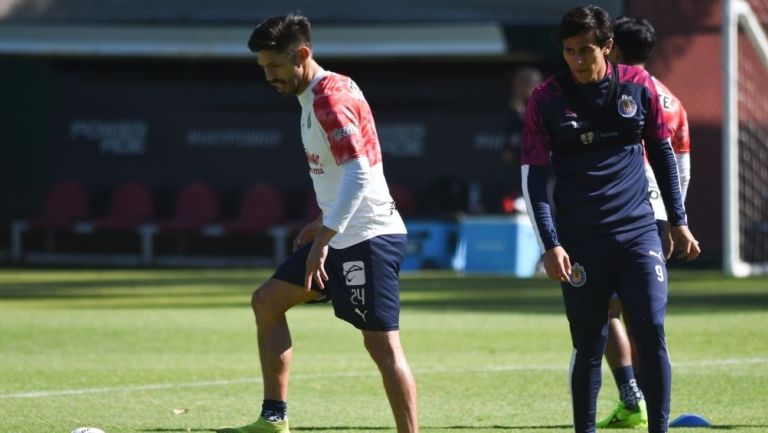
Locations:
{"points": [[260, 426], [621, 417]]}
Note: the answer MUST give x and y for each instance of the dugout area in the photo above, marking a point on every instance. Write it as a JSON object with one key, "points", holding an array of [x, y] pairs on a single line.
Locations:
{"points": [[168, 95]]}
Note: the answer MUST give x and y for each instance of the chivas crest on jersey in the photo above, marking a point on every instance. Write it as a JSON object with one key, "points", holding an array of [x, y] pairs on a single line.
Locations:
{"points": [[578, 275], [627, 106], [587, 138]]}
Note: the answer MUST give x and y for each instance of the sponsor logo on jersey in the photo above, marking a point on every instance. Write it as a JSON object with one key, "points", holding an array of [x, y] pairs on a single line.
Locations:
{"points": [[345, 131], [627, 106], [313, 158], [578, 275], [314, 163], [354, 273]]}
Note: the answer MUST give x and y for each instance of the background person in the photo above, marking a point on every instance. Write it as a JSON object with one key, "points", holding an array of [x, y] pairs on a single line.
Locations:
{"points": [[634, 39]]}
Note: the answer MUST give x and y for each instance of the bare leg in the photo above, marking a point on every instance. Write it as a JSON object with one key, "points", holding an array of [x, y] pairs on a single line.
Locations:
{"points": [[633, 346], [386, 350], [618, 351], [269, 303]]}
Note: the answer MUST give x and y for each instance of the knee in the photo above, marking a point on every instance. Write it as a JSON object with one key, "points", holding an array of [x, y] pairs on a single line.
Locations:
{"points": [[648, 332], [382, 350], [589, 350], [259, 302], [263, 303]]}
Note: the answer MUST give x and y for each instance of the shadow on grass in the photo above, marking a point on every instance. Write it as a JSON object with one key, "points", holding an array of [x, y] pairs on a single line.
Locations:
{"points": [[367, 428], [428, 292], [124, 283], [453, 427]]}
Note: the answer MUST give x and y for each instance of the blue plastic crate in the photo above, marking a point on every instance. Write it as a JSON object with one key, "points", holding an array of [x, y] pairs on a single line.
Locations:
{"points": [[431, 244], [497, 245]]}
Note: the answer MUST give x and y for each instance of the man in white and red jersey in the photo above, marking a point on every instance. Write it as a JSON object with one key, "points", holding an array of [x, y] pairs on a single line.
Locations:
{"points": [[634, 39], [351, 254]]}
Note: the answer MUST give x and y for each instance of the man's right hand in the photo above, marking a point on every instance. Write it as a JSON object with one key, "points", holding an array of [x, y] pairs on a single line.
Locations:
{"points": [[557, 264]]}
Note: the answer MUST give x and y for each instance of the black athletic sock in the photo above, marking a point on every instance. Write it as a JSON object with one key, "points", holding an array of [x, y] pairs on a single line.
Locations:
{"points": [[274, 410], [629, 392]]}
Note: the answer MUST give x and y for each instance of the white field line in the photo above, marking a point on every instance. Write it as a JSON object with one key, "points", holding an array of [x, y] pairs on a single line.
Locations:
{"points": [[372, 373]]}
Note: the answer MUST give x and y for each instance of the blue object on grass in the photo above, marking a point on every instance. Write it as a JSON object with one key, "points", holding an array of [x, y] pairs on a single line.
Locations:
{"points": [[500, 244], [690, 420]]}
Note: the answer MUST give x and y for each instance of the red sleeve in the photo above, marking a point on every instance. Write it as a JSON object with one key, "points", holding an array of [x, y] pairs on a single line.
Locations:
{"points": [[339, 115], [655, 126], [678, 128], [675, 117], [536, 137]]}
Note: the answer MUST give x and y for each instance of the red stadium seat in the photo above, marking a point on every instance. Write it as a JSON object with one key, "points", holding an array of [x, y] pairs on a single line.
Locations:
{"points": [[261, 212], [261, 207], [196, 205], [132, 205], [66, 203]]}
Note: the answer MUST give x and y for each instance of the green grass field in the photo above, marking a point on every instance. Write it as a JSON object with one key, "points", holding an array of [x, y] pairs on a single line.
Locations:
{"points": [[121, 350]]}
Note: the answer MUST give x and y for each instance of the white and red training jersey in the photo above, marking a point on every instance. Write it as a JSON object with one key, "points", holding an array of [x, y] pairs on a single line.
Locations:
{"points": [[337, 129], [676, 120]]}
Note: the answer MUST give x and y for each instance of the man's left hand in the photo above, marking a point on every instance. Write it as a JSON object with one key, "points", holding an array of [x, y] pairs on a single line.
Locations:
{"points": [[316, 266], [686, 247], [316, 259]]}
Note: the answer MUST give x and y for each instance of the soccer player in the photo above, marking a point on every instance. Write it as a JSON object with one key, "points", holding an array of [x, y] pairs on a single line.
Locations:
{"points": [[588, 126], [634, 39], [352, 253]]}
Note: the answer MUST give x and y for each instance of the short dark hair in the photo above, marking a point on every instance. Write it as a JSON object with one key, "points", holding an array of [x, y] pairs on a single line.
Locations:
{"points": [[585, 19], [636, 38], [281, 33]]}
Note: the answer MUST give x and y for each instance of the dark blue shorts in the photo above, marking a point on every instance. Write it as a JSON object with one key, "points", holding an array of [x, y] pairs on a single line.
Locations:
{"points": [[363, 280]]}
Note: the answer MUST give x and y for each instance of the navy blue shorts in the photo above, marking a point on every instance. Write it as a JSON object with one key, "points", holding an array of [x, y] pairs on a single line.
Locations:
{"points": [[363, 280]]}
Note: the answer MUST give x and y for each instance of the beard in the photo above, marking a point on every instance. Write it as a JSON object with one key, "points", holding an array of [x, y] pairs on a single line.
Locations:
{"points": [[286, 87]]}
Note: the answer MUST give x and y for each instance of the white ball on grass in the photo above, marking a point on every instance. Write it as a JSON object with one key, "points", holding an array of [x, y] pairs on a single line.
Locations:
{"points": [[87, 430]]}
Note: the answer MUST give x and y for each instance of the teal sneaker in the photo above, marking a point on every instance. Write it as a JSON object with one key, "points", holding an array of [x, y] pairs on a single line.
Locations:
{"points": [[260, 426], [622, 417]]}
